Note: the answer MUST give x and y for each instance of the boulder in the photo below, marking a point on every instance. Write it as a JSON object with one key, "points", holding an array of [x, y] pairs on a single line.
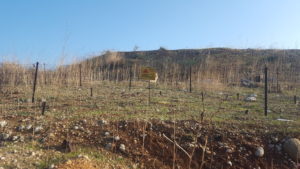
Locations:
{"points": [[292, 148]]}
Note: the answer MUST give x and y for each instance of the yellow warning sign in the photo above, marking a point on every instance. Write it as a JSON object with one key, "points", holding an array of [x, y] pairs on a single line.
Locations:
{"points": [[148, 73]]}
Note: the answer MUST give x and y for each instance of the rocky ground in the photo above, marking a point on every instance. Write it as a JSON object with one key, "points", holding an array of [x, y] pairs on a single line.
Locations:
{"points": [[116, 128], [26, 142]]}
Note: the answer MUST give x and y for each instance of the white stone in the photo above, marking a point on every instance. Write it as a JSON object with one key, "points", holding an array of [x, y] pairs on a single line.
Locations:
{"points": [[106, 133], [250, 99], [102, 122], [229, 150], [15, 138], [29, 127], [122, 147], [32, 153], [52, 166], [117, 138], [3, 123], [38, 129], [259, 152]]}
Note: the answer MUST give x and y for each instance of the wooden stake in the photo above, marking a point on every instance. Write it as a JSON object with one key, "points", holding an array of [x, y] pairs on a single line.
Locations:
{"points": [[277, 80], [80, 82], [266, 91], [295, 99], [149, 93], [130, 78], [43, 107], [190, 79], [91, 92], [45, 77], [35, 80]]}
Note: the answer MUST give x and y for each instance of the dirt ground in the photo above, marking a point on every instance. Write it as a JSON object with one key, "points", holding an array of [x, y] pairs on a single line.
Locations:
{"points": [[118, 129]]}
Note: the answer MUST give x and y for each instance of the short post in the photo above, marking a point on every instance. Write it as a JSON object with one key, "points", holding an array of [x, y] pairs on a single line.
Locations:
{"points": [[43, 107], [190, 79], [295, 99], [91, 92], [238, 96], [45, 77], [149, 93], [35, 80], [277, 81], [203, 108], [266, 91], [130, 76], [80, 82]]}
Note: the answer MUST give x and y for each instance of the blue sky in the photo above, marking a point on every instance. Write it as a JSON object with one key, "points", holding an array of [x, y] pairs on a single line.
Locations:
{"points": [[49, 30]]}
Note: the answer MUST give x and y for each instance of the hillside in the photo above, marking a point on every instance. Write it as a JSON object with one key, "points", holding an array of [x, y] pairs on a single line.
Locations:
{"points": [[214, 65], [222, 64]]}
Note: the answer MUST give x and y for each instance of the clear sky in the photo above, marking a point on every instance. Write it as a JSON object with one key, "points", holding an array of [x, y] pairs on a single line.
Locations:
{"points": [[47, 30]]}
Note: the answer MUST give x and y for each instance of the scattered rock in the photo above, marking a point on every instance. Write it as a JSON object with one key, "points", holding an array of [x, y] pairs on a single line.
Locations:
{"points": [[278, 147], [117, 138], [253, 95], [122, 147], [108, 146], [32, 153], [84, 121], [259, 152], [20, 128], [248, 83], [102, 122], [51, 135], [52, 166], [274, 139], [29, 127], [106, 133], [22, 138], [229, 150], [38, 129], [3, 123], [4, 136], [15, 138], [292, 148], [83, 156], [250, 99]]}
